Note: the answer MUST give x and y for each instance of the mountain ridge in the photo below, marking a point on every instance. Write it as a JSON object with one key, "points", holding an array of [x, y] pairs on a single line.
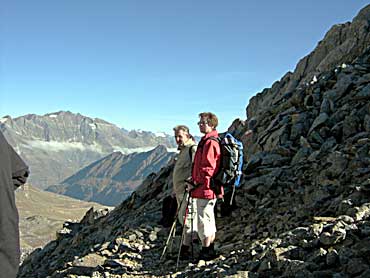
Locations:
{"points": [[114, 177], [55, 145], [341, 44]]}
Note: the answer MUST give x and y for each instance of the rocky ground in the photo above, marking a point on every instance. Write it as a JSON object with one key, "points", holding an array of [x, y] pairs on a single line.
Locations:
{"points": [[303, 209], [42, 214]]}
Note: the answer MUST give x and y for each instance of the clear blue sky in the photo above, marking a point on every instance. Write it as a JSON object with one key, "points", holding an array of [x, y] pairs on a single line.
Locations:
{"points": [[153, 64]]}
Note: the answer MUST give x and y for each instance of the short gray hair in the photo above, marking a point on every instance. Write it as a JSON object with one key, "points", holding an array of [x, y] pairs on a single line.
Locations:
{"points": [[181, 127]]}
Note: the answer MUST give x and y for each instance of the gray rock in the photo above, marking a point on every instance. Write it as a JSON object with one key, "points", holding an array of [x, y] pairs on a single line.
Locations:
{"points": [[244, 274], [364, 93], [279, 254], [346, 219], [320, 120], [65, 232], [301, 155], [153, 236], [90, 260], [338, 163], [139, 234], [332, 257], [350, 125], [367, 123], [323, 274], [318, 255], [327, 106], [365, 274], [356, 266], [315, 139], [302, 233], [344, 255], [265, 265], [328, 239], [359, 213]]}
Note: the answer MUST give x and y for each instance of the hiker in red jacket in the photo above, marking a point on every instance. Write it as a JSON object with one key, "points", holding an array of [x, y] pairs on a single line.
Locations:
{"points": [[206, 164]]}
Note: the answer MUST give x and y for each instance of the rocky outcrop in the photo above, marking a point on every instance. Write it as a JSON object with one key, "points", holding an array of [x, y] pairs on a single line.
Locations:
{"points": [[303, 209], [342, 44]]}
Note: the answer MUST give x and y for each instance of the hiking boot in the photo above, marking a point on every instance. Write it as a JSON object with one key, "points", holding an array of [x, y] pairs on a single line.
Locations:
{"points": [[207, 253], [184, 253]]}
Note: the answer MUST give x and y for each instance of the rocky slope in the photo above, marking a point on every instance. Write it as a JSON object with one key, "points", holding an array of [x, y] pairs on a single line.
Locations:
{"points": [[42, 214], [113, 178], [56, 145], [303, 209]]}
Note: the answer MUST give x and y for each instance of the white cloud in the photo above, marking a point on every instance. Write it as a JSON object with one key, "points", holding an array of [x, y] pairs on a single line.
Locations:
{"points": [[132, 150], [160, 134], [62, 146]]}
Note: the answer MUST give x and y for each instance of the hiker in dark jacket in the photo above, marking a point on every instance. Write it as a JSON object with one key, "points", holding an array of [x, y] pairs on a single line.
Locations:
{"points": [[206, 164], [13, 173]]}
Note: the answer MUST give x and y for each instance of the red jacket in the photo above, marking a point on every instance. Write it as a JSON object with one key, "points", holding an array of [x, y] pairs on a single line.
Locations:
{"points": [[206, 164]]}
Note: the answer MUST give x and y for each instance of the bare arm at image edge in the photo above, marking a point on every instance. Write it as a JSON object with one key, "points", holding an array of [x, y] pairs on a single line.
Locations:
{"points": [[20, 170]]}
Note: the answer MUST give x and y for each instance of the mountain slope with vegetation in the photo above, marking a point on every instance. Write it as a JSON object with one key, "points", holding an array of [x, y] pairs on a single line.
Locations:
{"points": [[113, 178]]}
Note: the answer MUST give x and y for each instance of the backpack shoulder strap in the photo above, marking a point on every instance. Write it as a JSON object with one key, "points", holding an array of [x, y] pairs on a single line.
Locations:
{"points": [[191, 148], [213, 138], [217, 139]]}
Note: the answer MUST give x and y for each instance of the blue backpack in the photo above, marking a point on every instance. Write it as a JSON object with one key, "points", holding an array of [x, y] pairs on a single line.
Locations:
{"points": [[230, 172]]}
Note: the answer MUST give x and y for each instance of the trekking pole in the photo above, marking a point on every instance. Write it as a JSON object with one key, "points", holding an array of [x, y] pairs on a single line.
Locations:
{"points": [[168, 240], [172, 230], [192, 214], [192, 230], [183, 231]]}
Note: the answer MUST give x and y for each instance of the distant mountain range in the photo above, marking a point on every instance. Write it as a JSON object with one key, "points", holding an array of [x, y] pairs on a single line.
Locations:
{"points": [[57, 145], [113, 178]]}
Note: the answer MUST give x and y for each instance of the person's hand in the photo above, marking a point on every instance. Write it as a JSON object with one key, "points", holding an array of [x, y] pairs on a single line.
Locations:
{"points": [[173, 194], [189, 180], [189, 184], [189, 187]]}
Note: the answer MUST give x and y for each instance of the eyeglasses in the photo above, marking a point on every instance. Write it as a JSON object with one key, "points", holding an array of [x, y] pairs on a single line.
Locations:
{"points": [[202, 123]]}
